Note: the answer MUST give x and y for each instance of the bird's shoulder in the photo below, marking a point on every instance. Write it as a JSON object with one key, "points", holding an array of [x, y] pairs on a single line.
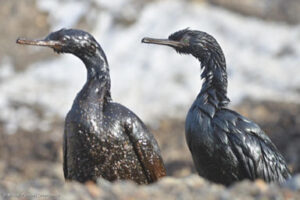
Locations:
{"points": [[245, 136], [127, 117], [121, 111], [137, 131]]}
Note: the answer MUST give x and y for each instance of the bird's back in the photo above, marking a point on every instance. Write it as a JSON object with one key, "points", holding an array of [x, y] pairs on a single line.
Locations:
{"points": [[229, 148], [98, 142], [257, 155]]}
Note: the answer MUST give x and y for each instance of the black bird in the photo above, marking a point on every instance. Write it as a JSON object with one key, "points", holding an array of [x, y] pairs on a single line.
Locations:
{"points": [[225, 146], [102, 138]]}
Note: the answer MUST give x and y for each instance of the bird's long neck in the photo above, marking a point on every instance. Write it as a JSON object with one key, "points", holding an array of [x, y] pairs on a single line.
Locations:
{"points": [[213, 94], [98, 78]]}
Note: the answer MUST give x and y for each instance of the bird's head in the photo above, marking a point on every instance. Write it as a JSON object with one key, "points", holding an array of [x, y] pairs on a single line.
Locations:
{"points": [[186, 41], [73, 41]]}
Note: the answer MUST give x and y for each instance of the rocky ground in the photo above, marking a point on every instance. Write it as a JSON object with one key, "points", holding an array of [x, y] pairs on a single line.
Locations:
{"points": [[191, 187], [31, 163]]}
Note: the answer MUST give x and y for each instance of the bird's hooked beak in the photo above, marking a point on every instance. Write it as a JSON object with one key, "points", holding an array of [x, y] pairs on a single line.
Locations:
{"points": [[56, 45], [167, 42]]}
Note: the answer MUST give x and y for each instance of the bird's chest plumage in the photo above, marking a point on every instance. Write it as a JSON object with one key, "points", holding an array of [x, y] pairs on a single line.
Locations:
{"points": [[89, 123], [201, 141], [198, 130], [210, 155]]}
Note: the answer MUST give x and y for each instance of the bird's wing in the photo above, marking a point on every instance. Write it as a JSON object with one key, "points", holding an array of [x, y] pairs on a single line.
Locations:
{"points": [[65, 166], [253, 148], [146, 149], [65, 146]]}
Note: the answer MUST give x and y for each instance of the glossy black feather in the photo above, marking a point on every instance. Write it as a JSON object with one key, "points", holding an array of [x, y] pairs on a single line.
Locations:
{"points": [[103, 138], [225, 146]]}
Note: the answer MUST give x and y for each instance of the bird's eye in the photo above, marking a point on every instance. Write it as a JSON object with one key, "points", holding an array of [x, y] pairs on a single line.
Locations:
{"points": [[185, 40]]}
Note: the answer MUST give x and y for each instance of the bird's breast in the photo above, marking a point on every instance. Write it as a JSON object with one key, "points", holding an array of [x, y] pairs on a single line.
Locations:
{"points": [[198, 125]]}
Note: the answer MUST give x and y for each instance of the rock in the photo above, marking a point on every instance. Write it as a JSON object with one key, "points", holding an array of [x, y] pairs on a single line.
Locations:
{"points": [[20, 19], [279, 10], [93, 189], [190, 187], [294, 183]]}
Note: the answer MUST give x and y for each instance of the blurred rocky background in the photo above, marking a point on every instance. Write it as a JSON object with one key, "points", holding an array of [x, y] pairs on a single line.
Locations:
{"points": [[261, 43], [272, 10]]}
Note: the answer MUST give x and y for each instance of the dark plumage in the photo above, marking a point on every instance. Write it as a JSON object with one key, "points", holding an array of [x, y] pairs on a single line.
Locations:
{"points": [[225, 146], [102, 138]]}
